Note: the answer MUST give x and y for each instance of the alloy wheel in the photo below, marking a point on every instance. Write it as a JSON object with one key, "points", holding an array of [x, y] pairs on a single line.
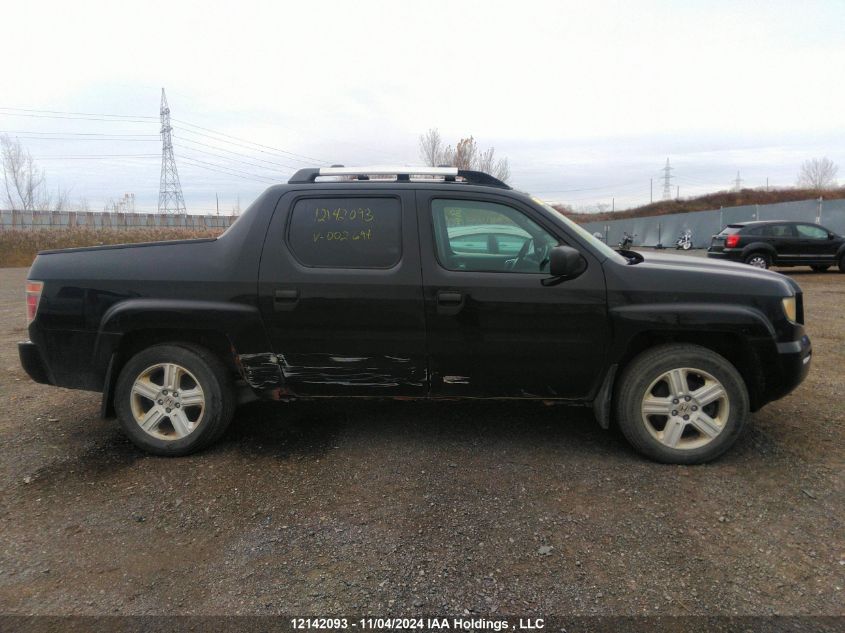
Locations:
{"points": [[685, 408], [167, 401]]}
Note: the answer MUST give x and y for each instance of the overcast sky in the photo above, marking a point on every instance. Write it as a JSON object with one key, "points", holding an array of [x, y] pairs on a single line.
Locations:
{"points": [[586, 99]]}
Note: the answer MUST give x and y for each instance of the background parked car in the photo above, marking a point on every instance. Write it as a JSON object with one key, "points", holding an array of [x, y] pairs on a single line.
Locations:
{"points": [[780, 243]]}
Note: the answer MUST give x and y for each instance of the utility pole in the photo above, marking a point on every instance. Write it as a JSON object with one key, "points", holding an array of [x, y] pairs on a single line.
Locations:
{"points": [[678, 192], [767, 183], [651, 190], [613, 205], [217, 199], [170, 199], [667, 181]]}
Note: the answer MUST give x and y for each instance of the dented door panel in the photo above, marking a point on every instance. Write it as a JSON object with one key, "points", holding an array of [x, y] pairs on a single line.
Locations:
{"points": [[343, 331]]}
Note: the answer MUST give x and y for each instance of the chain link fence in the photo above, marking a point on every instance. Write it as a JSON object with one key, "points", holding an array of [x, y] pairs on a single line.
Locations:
{"points": [[58, 220], [665, 229]]}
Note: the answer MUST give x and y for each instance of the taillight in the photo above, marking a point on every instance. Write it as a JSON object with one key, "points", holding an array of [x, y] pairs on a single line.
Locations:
{"points": [[732, 241], [33, 296]]}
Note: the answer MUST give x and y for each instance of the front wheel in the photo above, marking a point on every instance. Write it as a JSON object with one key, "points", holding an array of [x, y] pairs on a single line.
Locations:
{"points": [[681, 404], [174, 399], [687, 246]]}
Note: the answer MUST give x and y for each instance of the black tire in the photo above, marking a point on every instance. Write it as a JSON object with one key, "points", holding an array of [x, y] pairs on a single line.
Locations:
{"points": [[822, 268], [758, 259], [648, 367], [204, 369], [842, 264]]}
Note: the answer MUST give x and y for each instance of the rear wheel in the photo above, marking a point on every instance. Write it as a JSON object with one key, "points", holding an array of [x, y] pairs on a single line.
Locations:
{"points": [[842, 264], [681, 404], [820, 269], [758, 260], [174, 399]]}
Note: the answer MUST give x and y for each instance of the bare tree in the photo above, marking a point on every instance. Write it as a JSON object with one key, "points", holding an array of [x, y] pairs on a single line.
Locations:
{"points": [[465, 155], [488, 163], [25, 187], [818, 174], [431, 148], [23, 180]]}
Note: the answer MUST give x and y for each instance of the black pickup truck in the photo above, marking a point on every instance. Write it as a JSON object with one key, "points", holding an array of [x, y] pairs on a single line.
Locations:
{"points": [[431, 283]]}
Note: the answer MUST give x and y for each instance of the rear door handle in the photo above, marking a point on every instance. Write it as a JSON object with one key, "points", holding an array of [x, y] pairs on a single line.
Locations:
{"points": [[285, 299], [449, 302]]}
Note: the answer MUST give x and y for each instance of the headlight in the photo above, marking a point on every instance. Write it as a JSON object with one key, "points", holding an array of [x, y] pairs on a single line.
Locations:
{"points": [[789, 308]]}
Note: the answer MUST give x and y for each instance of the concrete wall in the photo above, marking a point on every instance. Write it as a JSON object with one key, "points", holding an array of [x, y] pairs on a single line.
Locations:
{"points": [[704, 224]]}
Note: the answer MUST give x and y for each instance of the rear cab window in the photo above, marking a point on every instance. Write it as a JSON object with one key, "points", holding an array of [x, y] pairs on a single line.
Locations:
{"points": [[346, 232]]}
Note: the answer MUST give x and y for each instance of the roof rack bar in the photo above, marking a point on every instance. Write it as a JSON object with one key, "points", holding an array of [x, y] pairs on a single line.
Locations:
{"points": [[403, 174]]}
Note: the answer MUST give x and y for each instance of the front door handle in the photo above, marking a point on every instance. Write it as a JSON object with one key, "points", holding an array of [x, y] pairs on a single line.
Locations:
{"points": [[285, 299], [449, 302]]}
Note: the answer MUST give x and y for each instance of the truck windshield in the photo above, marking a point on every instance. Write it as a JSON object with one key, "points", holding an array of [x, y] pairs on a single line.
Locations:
{"points": [[595, 242]]}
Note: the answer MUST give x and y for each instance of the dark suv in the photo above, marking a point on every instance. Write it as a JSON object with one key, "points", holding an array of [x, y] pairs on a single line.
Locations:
{"points": [[779, 243], [432, 283]]}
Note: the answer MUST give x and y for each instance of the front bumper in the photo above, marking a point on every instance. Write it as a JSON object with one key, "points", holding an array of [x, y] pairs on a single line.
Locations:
{"points": [[795, 358], [33, 363]]}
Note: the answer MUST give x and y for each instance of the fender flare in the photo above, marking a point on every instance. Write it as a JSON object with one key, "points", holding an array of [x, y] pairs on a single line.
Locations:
{"points": [[240, 323], [755, 247]]}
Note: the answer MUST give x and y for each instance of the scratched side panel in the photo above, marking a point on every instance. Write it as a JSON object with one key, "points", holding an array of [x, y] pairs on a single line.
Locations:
{"points": [[280, 375], [347, 331]]}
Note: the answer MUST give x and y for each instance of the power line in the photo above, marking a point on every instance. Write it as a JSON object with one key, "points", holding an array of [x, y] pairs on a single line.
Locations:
{"points": [[90, 116], [183, 149], [254, 149], [226, 170], [96, 157], [230, 151], [237, 138], [72, 118], [130, 116], [78, 133]]}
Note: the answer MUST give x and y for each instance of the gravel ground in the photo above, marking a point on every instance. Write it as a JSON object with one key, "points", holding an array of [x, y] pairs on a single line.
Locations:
{"points": [[408, 508]]}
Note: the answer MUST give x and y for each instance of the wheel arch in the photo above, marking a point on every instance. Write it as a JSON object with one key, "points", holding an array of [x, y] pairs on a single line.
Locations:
{"points": [[215, 341], [735, 332], [760, 247], [136, 324], [735, 348]]}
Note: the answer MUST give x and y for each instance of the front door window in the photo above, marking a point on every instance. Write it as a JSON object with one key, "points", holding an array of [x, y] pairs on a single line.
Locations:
{"points": [[478, 236]]}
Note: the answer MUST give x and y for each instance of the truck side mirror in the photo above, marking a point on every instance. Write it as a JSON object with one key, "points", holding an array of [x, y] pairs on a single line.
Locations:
{"points": [[564, 263]]}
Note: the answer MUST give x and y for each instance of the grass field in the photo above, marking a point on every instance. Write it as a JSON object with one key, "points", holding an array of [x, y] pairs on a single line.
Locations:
{"points": [[18, 248]]}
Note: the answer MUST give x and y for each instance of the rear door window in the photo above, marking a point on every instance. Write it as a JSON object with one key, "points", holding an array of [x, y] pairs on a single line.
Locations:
{"points": [[346, 232], [779, 230]]}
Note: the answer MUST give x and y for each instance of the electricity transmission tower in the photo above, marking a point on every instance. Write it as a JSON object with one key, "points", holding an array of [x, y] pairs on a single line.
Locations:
{"points": [[737, 182], [667, 181], [170, 198]]}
